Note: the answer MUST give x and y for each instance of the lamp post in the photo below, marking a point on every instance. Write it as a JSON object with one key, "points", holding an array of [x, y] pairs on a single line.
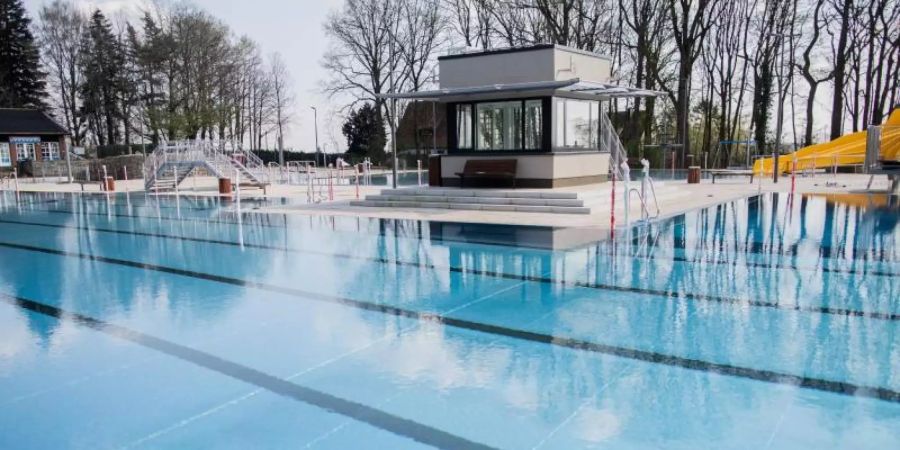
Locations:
{"points": [[316, 125]]}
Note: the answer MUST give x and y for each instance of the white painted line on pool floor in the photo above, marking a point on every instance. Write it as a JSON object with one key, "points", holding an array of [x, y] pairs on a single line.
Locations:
{"points": [[333, 431], [790, 403], [234, 401], [584, 404]]}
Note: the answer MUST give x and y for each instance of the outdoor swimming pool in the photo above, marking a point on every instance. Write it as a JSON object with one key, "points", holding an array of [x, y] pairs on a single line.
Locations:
{"points": [[136, 322]]}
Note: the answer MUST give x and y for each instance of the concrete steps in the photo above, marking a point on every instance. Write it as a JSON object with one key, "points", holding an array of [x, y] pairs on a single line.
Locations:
{"points": [[478, 200]]}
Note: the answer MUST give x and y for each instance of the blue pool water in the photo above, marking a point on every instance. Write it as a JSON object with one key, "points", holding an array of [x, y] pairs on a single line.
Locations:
{"points": [[136, 322]]}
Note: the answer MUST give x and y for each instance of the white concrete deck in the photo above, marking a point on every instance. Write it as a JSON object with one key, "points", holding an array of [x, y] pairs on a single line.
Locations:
{"points": [[674, 197]]}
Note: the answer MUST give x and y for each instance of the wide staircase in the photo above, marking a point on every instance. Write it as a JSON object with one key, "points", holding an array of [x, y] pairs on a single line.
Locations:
{"points": [[478, 199], [173, 162]]}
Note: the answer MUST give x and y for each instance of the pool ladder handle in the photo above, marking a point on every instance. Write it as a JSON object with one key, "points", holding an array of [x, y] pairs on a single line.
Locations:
{"points": [[645, 210]]}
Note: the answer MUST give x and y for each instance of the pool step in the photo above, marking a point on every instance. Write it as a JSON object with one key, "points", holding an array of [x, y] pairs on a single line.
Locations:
{"points": [[478, 200], [494, 193], [472, 206]]}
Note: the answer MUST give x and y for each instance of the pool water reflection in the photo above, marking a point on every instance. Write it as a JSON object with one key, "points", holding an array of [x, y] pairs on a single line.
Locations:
{"points": [[132, 321]]}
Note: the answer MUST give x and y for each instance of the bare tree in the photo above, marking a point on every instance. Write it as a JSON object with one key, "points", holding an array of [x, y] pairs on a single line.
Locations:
{"points": [[646, 21], [690, 22], [283, 99], [473, 20], [420, 34], [360, 59], [576, 23], [727, 73], [840, 53], [61, 28], [811, 68], [879, 39]]}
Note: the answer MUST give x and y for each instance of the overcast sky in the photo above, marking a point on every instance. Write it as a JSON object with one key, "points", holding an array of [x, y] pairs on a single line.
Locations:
{"points": [[290, 27]]}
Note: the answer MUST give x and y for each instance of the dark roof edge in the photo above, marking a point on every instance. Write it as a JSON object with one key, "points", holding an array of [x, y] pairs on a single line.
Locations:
{"points": [[536, 47], [61, 129]]}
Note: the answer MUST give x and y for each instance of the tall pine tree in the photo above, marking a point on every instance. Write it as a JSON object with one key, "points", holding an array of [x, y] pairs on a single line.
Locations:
{"points": [[103, 64], [22, 82]]}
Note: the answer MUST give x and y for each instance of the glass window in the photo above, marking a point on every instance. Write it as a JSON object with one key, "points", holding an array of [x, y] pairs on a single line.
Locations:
{"points": [[464, 126], [499, 125], [5, 160], [534, 129], [24, 151], [49, 151], [577, 123], [560, 121]]}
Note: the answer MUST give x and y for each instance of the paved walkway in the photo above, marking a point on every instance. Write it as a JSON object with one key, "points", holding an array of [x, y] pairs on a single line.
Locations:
{"points": [[674, 197]]}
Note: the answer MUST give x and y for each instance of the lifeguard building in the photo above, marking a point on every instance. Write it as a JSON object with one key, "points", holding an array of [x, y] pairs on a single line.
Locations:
{"points": [[540, 106]]}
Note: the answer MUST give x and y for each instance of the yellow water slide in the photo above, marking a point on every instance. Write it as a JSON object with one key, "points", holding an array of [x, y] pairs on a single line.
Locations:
{"points": [[846, 150]]}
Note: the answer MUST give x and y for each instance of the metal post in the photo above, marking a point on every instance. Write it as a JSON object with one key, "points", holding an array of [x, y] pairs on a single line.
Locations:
{"points": [[419, 171], [394, 140], [280, 150], [626, 201], [316, 125], [175, 180], [240, 217], [69, 163], [16, 178], [309, 185], [612, 209], [775, 168], [433, 127], [237, 189], [833, 171], [330, 185], [762, 172], [674, 155], [793, 175], [645, 214], [103, 183]]}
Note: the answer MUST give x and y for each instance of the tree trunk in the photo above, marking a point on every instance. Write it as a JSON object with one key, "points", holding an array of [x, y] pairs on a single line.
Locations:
{"points": [[840, 67], [810, 109]]}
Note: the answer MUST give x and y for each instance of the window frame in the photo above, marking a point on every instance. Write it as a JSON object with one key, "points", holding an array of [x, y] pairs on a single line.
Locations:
{"points": [[559, 117], [47, 151], [32, 156], [506, 106], [471, 131], [5, 150], [545, 141]]}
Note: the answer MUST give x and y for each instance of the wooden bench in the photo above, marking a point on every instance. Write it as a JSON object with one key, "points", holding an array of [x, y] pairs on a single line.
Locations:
{"points": [[487, 169], [717, 173]]}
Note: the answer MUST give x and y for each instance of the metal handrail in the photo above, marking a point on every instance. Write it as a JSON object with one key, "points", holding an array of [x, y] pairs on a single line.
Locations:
{"points": [[612, 142], [645, 212], [222, 157], [655, 199]]}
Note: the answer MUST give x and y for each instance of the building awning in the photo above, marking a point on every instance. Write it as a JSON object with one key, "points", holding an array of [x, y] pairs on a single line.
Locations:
{"points": [[602, 91]]}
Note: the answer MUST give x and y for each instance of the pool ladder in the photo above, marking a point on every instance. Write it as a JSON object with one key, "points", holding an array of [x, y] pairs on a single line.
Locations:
{"points": [[641, 193]]}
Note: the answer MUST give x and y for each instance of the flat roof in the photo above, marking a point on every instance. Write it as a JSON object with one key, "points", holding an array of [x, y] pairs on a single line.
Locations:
{"points": [[500, 51], [571, 86]]}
